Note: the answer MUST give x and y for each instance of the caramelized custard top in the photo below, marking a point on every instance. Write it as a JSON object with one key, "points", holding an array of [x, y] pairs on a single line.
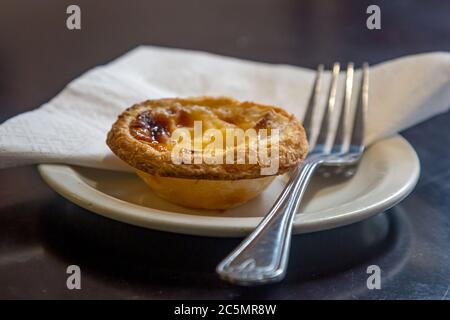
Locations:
{"points": [[151, 128], [155, 126]]}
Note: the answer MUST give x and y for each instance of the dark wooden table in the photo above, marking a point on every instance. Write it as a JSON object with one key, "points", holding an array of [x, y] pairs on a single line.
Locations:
{"points": [[41, 233]]}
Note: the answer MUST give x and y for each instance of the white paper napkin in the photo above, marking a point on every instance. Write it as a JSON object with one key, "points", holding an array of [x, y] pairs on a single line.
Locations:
{"points": [[72, 127]]}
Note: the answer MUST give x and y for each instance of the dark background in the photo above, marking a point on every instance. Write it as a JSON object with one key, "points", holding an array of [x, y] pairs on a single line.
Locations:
{"points": [[41, 233]]}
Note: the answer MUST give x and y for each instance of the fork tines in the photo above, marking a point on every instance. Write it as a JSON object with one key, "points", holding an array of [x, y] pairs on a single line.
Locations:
{"points": [[347, 135]]}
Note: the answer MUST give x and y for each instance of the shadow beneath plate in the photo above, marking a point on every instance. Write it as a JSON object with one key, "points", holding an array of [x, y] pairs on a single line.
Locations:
{"points": [[156, 260]]}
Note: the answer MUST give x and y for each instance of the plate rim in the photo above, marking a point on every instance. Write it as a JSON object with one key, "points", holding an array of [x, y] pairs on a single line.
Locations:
{"points": [[86, 196]]}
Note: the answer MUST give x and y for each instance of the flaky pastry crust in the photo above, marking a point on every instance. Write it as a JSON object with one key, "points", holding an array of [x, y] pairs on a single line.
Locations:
{"points": [[141, 135]]}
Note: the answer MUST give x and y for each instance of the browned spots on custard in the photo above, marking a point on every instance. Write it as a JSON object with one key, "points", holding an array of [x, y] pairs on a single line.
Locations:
{"points": [[151, 127], [261, 124], [185, 118], [265, 122]]}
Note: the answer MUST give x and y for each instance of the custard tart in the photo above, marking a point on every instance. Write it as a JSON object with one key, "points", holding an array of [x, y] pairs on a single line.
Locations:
{"points": [[213, 167]]}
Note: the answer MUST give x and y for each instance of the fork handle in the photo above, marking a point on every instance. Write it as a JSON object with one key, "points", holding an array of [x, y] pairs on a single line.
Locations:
{"points": [[262, 257]]}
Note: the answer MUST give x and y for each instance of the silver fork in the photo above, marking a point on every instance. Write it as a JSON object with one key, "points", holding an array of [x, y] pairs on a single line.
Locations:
{"points": [[263, 256]]}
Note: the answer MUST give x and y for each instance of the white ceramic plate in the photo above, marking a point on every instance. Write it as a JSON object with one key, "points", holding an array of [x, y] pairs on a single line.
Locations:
{"points": [[388, 172]]}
